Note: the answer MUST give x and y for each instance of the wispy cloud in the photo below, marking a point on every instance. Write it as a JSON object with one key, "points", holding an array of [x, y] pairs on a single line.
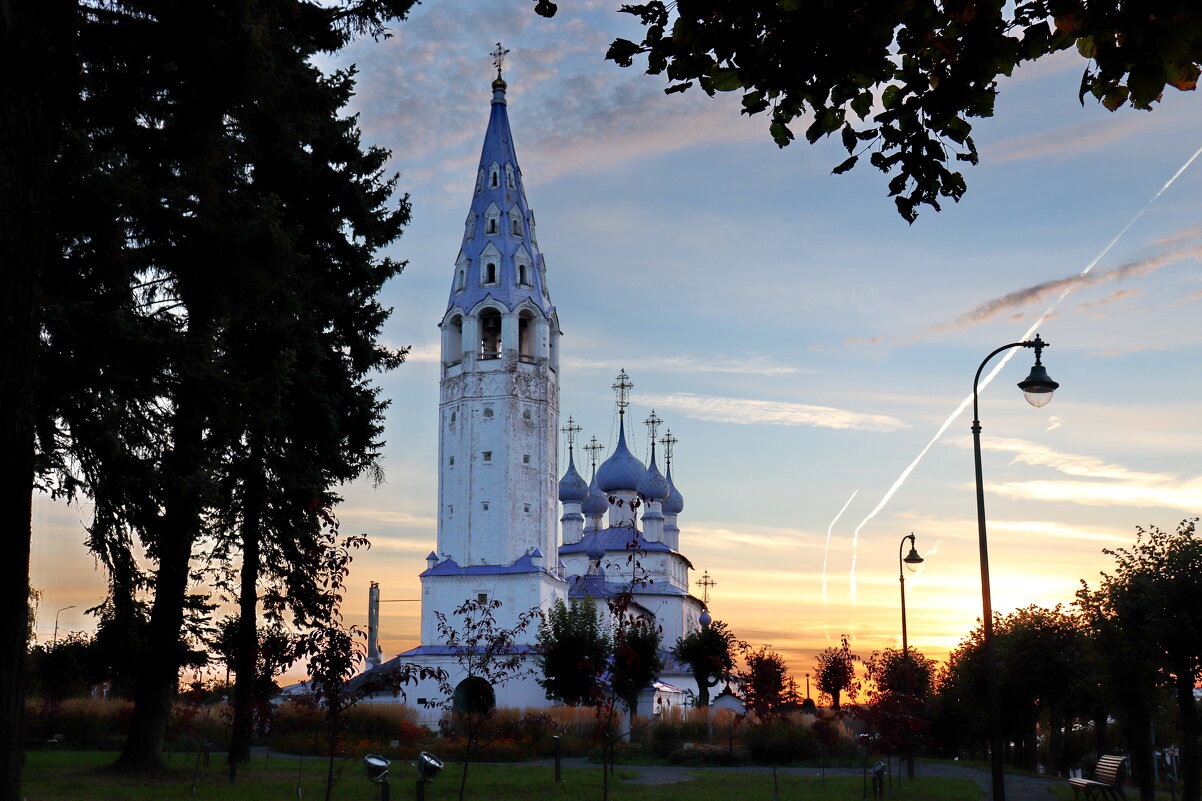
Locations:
{"points": [[1184, 245], [1184, 496], [719, 536], [1044, 529], [688, 364], [1066, 142], [1108, 484], [747, 411], [1111, 298], [424, 353]]}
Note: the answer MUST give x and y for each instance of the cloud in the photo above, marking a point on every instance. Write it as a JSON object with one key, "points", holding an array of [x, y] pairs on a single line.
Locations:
{"points": [[1183, 245], [1044, 529], [429, 352], [1109, 484], [746, 411], [387, 517], [1111, 298], [717, 536], [1054, 423], [1184, 496], [688, 364], [1066, 142]]}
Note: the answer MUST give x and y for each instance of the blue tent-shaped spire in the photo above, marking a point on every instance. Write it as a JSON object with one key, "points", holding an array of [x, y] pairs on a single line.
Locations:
{"points": [[499, 258]]}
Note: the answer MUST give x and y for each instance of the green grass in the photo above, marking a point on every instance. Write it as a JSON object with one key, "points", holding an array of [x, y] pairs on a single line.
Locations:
{"points": [[84, 776]]}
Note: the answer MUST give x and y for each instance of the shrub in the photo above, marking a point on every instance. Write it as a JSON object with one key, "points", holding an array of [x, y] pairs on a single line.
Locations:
{"points": [[85, 723], [782, 742], [710, 756]]}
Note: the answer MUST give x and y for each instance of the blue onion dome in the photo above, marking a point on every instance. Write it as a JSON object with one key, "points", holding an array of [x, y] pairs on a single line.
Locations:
{"points": [[674, 502], [572, 487], [595, 552], [653, 486], [705, 618], [597, 502], [622, 470]]}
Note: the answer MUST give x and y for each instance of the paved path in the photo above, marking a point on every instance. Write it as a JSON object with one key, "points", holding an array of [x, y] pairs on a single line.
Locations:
{"points": [[1018, 787]]}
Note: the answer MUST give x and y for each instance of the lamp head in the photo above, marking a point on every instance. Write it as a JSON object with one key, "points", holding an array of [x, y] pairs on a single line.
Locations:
{"points": [[913, 558], [376, 768], [1038, 386], [427, 766]]}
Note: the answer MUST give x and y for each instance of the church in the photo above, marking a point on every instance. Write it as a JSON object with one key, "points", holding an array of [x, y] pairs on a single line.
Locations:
{"points": [[501, 532]]}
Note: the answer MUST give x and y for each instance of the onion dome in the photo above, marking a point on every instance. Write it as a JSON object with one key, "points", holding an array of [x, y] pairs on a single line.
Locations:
{"points": [[597, 502], [674, 502], [653, 486], [705, 618], [572, 487], [595, 551], [622, 470]]}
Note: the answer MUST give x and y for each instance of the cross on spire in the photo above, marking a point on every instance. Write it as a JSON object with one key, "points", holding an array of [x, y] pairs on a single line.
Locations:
{"points": [[668, 442], [653, 423], [593, 448], [705, 582], [571, 429], [622, 386], [498, 57]]}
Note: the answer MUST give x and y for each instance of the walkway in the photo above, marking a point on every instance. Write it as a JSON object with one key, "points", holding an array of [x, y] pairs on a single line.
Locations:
{"points": [[1018, 787]]}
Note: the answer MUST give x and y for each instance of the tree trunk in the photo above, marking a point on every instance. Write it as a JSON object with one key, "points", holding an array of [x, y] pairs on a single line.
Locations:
{"points": [[1137, 725], [247, 646], [35, 44], [158, 681], [1187, 711], [1056, 727]]}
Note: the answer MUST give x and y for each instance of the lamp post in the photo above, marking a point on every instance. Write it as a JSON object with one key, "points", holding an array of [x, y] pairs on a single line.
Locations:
{"points": [[56, 614], [1038, 389], [912, 558]]}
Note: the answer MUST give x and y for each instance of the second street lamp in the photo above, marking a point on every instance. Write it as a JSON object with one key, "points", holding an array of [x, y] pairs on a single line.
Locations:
{"points": [[911, 559], [1038, 389]]}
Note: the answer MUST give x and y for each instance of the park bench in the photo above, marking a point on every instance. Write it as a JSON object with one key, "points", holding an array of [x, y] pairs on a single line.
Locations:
{"points": [[1105, 781], [40, 737]]}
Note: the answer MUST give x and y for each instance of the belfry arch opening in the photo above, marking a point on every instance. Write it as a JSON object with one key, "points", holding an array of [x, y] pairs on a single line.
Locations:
{"points": [[454, 350], [490, 334], [526, 336]]}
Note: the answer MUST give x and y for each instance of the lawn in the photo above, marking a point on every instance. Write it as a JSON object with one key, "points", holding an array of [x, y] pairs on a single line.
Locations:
{"points": [[83, 776]]}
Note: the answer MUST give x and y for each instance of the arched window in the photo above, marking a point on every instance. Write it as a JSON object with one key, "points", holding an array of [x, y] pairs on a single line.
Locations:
{"points": [[454, 416], [523, 278], [490, 334], [490, 273], [493, 181], [454, 352], [459, 280], [517, 227], [526, 336]]}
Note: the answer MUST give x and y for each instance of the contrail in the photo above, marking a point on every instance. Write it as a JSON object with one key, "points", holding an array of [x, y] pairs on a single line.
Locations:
{"points": [[828, 543], [998, 368]]}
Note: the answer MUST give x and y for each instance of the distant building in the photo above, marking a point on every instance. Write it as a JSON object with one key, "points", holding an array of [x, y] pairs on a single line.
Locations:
{"points": [[499, 489]]}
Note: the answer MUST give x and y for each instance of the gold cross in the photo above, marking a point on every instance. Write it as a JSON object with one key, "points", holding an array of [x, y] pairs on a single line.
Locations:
{"points": [[653, 423], [668, 441], [498, 57], [593, 447], [571, 429], [622, 386], [705, 582]]}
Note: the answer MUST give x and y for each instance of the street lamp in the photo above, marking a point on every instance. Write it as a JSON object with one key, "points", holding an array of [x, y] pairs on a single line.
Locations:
{"points": [[56, 614], [911, 559], [1038, 389]]}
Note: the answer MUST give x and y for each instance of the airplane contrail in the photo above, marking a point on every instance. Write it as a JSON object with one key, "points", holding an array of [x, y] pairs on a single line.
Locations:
{"points": [[998, 368], [828, 543]]}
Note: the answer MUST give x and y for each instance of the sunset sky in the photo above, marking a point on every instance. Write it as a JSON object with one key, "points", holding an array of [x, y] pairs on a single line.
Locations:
{"points": [[803, 343]]}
